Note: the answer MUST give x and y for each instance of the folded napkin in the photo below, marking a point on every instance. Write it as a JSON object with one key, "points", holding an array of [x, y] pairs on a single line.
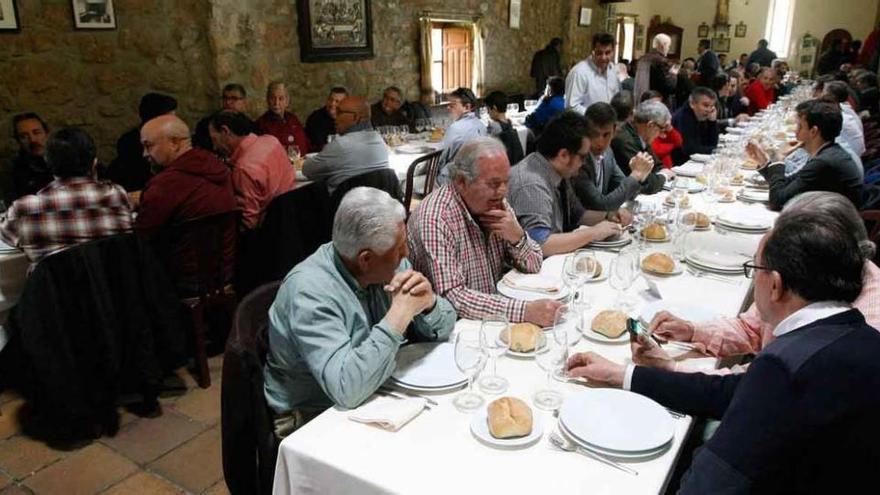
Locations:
{"points": [[534, 282], [699, 157], [389, 413], [688, 169]]}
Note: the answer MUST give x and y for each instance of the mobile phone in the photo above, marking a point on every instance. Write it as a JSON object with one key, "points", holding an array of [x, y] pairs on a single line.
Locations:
{"points": [[641, 334]]}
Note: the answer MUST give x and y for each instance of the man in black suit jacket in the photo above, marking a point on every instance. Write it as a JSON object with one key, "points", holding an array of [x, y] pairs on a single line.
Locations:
{"points": [[697, 123], [802, 419], [649, 120], [830, 167]]}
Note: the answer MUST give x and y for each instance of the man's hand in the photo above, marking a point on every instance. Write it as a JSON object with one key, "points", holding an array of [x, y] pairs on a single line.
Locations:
{"points": [[651, 355], [624, 217], [668, 173], [763, 157], [605, 229], [669, 327], [411, 294], [409, 282], [744, 101], [541, 312], [596, 369], [743, 117], [503, 223], [641, 165]]}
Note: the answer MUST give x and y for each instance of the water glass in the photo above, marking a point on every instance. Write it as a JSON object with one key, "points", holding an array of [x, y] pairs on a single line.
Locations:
{"points": [[579, 267], [551, 358], [624, 271], [470, 357], [495, 335], [686, 224]]}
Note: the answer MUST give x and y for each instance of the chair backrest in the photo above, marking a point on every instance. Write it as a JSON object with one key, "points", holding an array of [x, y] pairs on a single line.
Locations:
{"points": [[384, 179], [200, 252], [872, 224], [430, 164]]}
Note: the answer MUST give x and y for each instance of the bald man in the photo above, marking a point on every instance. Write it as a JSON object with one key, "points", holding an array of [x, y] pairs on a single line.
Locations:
{"points": [[358, 149]]}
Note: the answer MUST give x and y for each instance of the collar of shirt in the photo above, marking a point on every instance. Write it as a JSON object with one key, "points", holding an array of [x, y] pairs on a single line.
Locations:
{"points": [[68, 181], [809, 314], [346, 275], [361, 126], [278, 118], [245, 143], [595, 67], [467, 115]]}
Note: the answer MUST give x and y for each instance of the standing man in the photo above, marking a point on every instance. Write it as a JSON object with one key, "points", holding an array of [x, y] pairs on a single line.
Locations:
{"points": [[234, 97], [763, 56], [546, 64], [322, 122], [653, 71], [708, 64], [593, 79], [29, 171], [278, 122]]}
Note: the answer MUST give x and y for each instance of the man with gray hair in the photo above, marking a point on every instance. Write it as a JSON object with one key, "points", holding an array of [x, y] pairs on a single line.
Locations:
{"points": [[650, 120], [279, 122], [341, 315], [464, 234], [653, 70]]}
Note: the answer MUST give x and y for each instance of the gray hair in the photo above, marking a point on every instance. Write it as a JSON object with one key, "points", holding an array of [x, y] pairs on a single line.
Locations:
{"points": [[661, 43], [367, 218], [465, 164], [652, 111], [275, 85], [838, 206]]}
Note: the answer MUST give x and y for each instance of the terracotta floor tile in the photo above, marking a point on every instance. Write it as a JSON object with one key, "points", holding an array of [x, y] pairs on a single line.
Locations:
{"points": [[201, 404], [20, 456], [9, 424], [143, 483], [218, 489], [87, 471], [149, 438], [196, 465]]}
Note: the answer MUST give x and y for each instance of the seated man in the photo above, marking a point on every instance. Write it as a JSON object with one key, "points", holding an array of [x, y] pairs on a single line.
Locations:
{"points": [[322, 122], [234, 97], [358, 149], [341, 315], [191, 183], [74, 208], [852, 132], [830, 167], [696, 122], [389, 111], [261, 169], [465, 126], [762, 91], [29, 171], [807, 397], [541, 194], [500, 126], [669, 140], [278, 122], [600, 184], [552, 104], [463, 237], [650, 119]]}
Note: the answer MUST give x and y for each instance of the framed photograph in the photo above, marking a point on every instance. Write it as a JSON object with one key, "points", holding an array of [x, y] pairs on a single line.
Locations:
{"points": [[9, 16], [721, 45], [740, 31], [703, 30], [585, 17], [515, 9], [335, 30], [93, 14]]}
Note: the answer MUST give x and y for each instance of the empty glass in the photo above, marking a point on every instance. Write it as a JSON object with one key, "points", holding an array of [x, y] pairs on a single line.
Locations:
{"points": [[530, 105], [578, 268], [512, 108], [624, 271], [550, 358], [470, 357], [491, 331], [685, 225]]}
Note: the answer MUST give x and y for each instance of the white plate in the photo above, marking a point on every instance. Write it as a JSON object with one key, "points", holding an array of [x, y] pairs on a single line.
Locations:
{"points": [[714, 269], [750, 220], [480, 429], [589, 334], [676, 270], [427, 365], [621, 456], [617, 420], [685, 311], [528, 295], [693, 186], [529, 354], [699, 157]]}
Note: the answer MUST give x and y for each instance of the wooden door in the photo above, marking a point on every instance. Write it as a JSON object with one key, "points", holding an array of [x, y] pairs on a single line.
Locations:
{"points": [[457, 50]]}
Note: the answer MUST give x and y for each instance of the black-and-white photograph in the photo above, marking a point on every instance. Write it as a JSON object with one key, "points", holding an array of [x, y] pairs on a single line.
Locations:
{"points": [[9, 16], [93, 14]]}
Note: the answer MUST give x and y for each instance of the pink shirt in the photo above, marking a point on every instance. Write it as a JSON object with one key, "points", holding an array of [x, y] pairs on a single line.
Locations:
{"points": [[261, 171]]}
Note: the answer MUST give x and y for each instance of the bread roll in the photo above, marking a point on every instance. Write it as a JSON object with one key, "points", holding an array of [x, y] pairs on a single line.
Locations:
{"points": [[701, 220], [658, 263], [609, 323], [655, 232], [589, 265], [524, 336], [509, 417], [684, 203]]}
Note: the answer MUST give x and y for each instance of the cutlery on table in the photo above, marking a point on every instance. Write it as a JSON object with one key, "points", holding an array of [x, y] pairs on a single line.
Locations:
{"points": [[712, 276], [561, 443], [397, 393], [398, 396]]}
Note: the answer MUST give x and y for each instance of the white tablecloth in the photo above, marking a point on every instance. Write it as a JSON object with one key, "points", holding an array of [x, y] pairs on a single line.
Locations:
{"points": [[436, 452], [13, 273]]}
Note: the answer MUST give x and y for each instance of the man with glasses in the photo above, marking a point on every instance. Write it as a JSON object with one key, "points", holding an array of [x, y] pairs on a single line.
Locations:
{"points": [[234, 98], [593, 79], [541, 193], [634, 138], [465, 126], [389, 110]]}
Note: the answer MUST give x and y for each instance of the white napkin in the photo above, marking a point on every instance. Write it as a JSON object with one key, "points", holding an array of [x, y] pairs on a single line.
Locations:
{"points": [[534, 282], [700, 157], [389, 413], [688, 169]]}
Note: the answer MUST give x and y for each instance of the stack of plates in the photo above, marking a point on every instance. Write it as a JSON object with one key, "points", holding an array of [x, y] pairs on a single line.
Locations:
{"points": [[754, 196], [699, 157], [617, 423], [693, 186], [723, 254], [613, 243], [428, 367], [745, 221]]}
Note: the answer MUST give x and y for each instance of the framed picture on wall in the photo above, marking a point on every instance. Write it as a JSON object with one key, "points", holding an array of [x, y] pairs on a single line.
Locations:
{"points": [[9, 16], [740, 31], [721, 44], [703, 30], [93, 14], [335, 30], [585, 17], [515, 9]]}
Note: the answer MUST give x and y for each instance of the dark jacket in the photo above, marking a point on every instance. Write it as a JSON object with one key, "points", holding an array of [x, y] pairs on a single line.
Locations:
{"points": [[510, 138], [545, 64], [319, 125], [762, 56], [626, 144], [652, 72], [130, 169], [697, 137], [615, 187], [379, 118], [29, 174], [869, 100], [708, 66]]}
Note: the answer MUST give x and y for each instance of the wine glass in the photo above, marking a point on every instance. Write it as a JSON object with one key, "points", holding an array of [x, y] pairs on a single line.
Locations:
{"points": [[643, 215], [579, 267], [624, 270], [680, 190], [513, 108], [470, 357], [686, 224], [550, 358], [491, 330]]}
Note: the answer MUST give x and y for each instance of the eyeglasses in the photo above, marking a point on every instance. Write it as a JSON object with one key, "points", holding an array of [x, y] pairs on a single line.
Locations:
{"points": [[749, 269]]}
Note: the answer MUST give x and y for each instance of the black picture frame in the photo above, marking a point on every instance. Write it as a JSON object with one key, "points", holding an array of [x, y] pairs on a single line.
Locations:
{"points": [[703, 30], [740, 30], [9, 20], [721, 44], [91, 15], [319, 20]]}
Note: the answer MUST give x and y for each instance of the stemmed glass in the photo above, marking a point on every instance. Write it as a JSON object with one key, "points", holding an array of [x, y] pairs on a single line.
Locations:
{"points": [[685, 225], [624, 270], [550, 358], [643, 215], [513, 108], [491, 331], [470, 357], [579, 267], [680, 190]]}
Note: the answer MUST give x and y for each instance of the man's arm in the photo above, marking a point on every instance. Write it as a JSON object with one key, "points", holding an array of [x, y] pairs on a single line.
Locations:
{"points": [[435, 323], [697, 394], [156, 207], [329, 161], [784, 188], [621, 188], [247, 196], [575, 87]]}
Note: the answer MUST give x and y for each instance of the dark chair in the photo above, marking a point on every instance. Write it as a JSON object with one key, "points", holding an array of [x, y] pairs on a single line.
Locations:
{"points": [[249, 445], [384, 179], [872, 224], [427, 165]]}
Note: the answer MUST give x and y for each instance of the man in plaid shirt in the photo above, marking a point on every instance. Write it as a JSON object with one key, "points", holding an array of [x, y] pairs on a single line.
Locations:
{"points": [[464, 234], [72, 209]]}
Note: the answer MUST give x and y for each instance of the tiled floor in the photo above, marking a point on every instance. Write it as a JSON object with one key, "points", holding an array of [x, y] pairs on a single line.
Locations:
{"points": [[178, 452]]}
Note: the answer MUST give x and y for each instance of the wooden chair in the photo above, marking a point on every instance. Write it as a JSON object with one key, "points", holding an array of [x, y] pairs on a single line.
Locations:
{"points": [[430, 164]]}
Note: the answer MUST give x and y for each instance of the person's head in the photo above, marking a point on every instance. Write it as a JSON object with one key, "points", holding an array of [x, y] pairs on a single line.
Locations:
{"points": [[703, 46], [661, 43], [369, 234], [818, 122], [164, 139], [651, 95], [277, 98], [31, 132], [841, 207], [735, 79], [702, 102], [227, 130], [722, 59], [234, 97], [720, 84], [688, 65], [392, 99], [352, 110], [651, 118], [819, 85], [603, 49], [866, 80], [496, 104], [622, 103], [556, 86], [603, 119], [70, 152], [856, 46], [836, 45], [556, 44], [780, 66], [153, 105], [767, 77], [565, 143], [743, 58], [336, 95], [837, 90], [762, 44], [461, 101], [480, 174]]}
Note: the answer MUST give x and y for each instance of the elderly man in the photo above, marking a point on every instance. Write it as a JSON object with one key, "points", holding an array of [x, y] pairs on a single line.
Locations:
{"points": [[464, 235], [829, 168], [29, 171], [130, 169], [762, 56], [261, 169], [389, 111], [465, 126], [697, 124], [541, 193], [234, 98], [358, 149], [279, 122], [341, 315], [808, 396], [600, 184], [593, 79], [322, 122], [636, 138], [74, 208], [654, 72], [762, 91]]}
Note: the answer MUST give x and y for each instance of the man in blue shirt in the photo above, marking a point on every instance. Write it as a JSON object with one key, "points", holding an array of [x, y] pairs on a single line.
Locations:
{"points": [[466, 126]]}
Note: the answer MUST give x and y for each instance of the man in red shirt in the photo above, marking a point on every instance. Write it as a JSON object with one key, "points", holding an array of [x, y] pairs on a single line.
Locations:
{"points": [[761, 92], [278, 122]]}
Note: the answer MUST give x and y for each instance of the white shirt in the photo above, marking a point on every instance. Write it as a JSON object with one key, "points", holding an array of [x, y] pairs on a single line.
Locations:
{"points": [[584, 86], [852, 133]]}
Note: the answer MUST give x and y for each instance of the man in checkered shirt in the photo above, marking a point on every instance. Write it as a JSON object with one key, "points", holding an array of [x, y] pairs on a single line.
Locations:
{"points": [[72, 209], [464, 235]]}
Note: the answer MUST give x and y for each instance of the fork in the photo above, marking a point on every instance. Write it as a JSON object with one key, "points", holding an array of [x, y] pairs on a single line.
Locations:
{"points": [[561, 443], [397, 393], [398, 396], [719, 278]]}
